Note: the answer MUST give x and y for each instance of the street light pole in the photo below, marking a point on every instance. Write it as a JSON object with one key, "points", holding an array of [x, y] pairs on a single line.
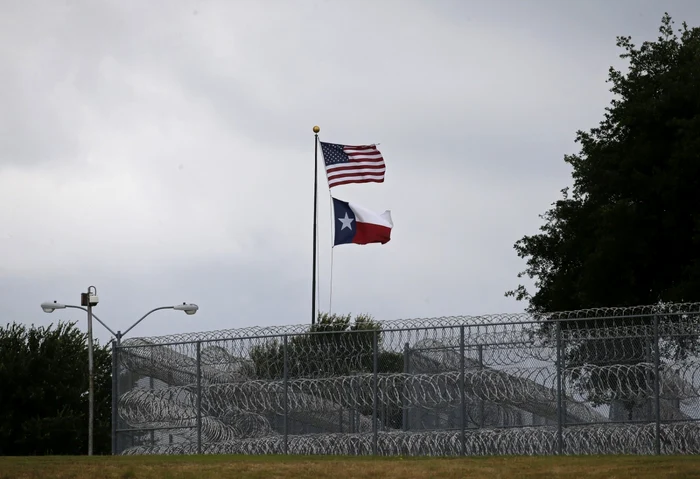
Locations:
{"points": [[88, 300], [91, 420]]}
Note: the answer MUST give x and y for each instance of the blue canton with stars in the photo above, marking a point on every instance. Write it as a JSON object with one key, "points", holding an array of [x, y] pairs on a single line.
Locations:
{"points": [[333, 154], [344, 220]]}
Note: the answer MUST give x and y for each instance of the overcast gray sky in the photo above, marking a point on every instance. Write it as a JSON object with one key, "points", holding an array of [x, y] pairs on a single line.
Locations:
{"points": [[163, 150]]}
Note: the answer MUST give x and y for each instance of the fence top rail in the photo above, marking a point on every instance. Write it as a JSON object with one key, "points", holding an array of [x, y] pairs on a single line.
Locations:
{"points": [[490, 322]]}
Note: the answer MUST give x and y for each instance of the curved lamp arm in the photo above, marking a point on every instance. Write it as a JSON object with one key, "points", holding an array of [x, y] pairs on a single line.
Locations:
{"points": [[187, 308], [93, 315], [144, 317]]}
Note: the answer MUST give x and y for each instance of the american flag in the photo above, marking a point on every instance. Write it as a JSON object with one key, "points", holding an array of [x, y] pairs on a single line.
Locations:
{"points": [[352, 164]]}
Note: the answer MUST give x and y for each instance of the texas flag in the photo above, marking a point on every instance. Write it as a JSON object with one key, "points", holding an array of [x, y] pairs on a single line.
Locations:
{"points": [[355, 224]]}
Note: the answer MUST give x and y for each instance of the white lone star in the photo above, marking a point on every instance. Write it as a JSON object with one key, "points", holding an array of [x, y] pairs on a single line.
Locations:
{"points": [[347, 222]]}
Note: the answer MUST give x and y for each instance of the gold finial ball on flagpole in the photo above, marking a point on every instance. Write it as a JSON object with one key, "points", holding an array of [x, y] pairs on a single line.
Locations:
{"points": [[316, 129]]}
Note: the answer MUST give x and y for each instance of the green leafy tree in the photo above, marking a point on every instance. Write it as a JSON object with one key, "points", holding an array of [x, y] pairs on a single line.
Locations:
{"points": [[628, 231], [342, 347], [44, 391]]}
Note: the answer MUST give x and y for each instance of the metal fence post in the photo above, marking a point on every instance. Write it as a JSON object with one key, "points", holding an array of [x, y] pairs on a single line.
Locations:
{"points": [[115, 395], [152, 434], [285, 379], [199, 397], [480, 350], [657, 388], [560, 432], [463, 405], [404, 398], [375, 360]]}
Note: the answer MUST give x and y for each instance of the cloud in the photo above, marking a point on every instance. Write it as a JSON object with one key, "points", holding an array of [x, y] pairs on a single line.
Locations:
{"points": [[163, 150]]}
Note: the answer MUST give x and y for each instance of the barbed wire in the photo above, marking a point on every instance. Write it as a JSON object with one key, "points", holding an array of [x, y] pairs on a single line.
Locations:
{"points": [[679, 438], [514, 389], [687, 309], [519, 388], [231, 360], [176, 407], [494, 373]]}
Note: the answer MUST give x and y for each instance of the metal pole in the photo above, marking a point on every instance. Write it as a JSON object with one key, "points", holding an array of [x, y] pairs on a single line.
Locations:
{"points": [[91, 387], [199, 397], [352, 420], [404, 399], [480, 350], [657, 389], [560, 432], [286, 398], [115, 393], [340, 419], [153, 432], [313, 280], [375, 392], [463, 405]]}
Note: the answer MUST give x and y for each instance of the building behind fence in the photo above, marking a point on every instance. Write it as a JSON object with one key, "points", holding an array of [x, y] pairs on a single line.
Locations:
{"points": [[604, 381]]}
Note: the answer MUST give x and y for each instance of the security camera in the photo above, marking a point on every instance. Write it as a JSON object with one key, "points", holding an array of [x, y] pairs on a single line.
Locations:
{"points": [[89, 299]]}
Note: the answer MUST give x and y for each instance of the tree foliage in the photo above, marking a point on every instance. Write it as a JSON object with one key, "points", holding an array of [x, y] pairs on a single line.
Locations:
{"points": [[44, 391], [628, 232], [342, 347], [334, 346]]}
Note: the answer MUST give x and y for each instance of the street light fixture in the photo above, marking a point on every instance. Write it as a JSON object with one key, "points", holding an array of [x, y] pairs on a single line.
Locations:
{"points": [[49, 307], [90, 299], [187, 308]]}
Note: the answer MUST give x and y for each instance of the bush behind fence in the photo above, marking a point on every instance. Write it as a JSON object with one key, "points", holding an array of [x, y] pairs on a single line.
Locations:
{"points": [[603, 381]]}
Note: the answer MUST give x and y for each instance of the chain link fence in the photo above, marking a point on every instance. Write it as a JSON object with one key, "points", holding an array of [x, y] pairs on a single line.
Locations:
{"points": [[603, 381]]}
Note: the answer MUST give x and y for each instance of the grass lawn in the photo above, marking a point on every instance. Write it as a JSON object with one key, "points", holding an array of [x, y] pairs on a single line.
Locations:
{"points": [[268, 467]]}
